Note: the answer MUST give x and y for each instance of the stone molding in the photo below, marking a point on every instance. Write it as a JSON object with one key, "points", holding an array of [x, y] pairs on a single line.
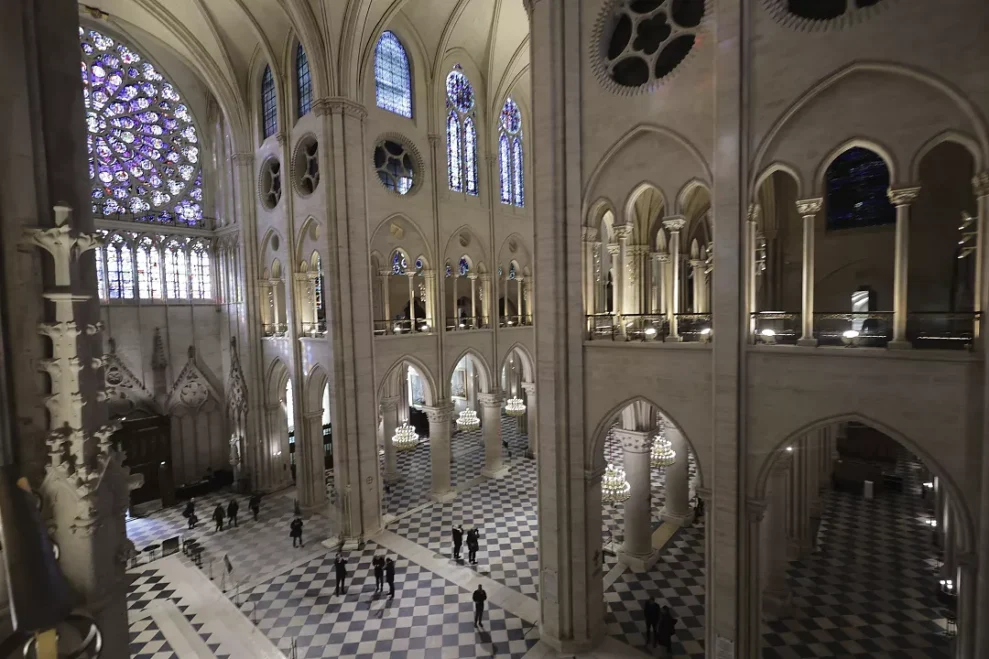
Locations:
{"points": [[754, 212], [902, 196], [674, 222], [755, 509], [490, 400], [339, 105], [623, 231], [529, 388], [389, 404], [243, 159], [589, 234], [192, 389], [809, 207], [634, 441], [439, 414], [593, 476], [980, 184]]}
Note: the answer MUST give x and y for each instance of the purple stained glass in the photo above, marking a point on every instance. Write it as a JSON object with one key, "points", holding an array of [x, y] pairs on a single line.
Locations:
{"points": [[392, 79], [511, 117], [202, 286], [470, 156], [454, 153], [134, 138], [464, 266], [505, 169], [459, 92], [518, 180]]}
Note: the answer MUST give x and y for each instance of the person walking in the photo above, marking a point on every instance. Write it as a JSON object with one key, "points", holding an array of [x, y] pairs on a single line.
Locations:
{"points": [[472, 544], [295, 531], [667, 628], [190, 512], [651, 609], [340, 565], [254, 505], [218, 516], [479, 598], [458, 541], [232, 508], [390, 577], [378, 563]]}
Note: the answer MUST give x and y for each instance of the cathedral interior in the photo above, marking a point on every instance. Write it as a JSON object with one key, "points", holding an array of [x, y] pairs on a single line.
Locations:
{"points": [[672, 301]]}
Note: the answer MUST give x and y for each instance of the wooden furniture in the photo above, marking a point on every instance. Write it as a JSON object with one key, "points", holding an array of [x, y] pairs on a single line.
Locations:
{"points": [[146, 441]]}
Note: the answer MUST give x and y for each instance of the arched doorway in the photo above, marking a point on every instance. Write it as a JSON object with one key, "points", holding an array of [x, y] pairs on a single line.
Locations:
{"points": [[519, 390], [479, 447]]}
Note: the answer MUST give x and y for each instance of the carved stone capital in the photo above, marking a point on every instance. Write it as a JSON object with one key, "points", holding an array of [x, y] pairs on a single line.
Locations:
{"points": [[902, 196], [339, 105], [809, 206], [634, 441], [530, 390], [663, 257], [754, 213], [588, 234], [439, 414], [490, 400], [697, 263], [980, 184], [755, 509], [674, 222], [389, 404]]}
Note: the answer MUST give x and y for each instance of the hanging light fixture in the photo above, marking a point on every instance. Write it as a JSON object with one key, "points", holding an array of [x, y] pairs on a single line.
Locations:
{"points": [[405, 438], [614, 487], [662, 454], [468, 420], [514, 407]]}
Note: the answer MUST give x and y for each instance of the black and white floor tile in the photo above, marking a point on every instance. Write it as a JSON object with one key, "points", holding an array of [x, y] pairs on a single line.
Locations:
{"points": [[147, 641], [869, 589]]}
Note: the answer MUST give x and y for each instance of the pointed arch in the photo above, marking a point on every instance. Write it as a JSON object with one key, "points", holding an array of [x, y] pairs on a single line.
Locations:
{"points": [[303, 82], [485, 381], [525, 358], [315, 381], [392, 75], [269, 103], [954, 136], [772, 168], [430, 392]]}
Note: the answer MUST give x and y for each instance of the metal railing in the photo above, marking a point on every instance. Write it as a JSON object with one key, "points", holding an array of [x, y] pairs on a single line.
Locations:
{"points": [[942, 330], [869, 329], [315, 330], [466, 323], [637, 327], [402, 326], [694, 327], [161, 219], [274, 329], [776, 327], [515, 321]]}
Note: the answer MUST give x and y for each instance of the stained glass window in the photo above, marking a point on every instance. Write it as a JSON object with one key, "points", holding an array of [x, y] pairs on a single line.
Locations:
{"points": [[269, 107], [202, 285], [303, 81], [148, 270], [392, 78], [318, 292], [100, 275], [399, 263], [143, 145], [510, 154], [464, 266], [176, 271], [461, 133], [449, 270], [857, 185], [511, 271], [120, 269]]}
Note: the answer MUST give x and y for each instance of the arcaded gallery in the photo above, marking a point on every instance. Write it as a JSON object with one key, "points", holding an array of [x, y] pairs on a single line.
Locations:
{"points": [[531, 329]]}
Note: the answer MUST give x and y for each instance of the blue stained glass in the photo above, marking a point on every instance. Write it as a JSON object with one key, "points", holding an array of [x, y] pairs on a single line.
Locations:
{"points": [[392, 78], [449, 270], [148, 270], [269, 108], [202, 285], [100, 276], [464, 266], [459, 92], [136, 139], [303, 81], [857, 185], [120, 269], [399, 264], [419, 264], [455, 161], [511, 117], [505, 169], [470, 156], [511, 271], [518, 180], [176, 271]]}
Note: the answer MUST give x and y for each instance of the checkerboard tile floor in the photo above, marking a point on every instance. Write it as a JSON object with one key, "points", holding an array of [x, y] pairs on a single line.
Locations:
{"points": [[504, 511], [869, 589], [147, 641], [677, 581], [428, 613]]}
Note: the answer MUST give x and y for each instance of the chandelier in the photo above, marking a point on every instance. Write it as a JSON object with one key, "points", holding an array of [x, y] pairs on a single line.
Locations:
{"points": [[405, 438], [468, 420], [514, 407], [662, 454], [614, 487]]}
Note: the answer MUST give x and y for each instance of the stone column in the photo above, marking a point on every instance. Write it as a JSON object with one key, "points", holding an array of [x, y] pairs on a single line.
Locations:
{"points": [[902, 199], [949, 568], [776, 594], [677, 509], [389, 418], [486, 297], [655, 282], [598, 283], [431, 295], [520, 306], [637, 551], [440, 418], [808, 209], [494, 454], [473, 300], [309, 471], [385, 277], [977, 571], [665, 290], [620, 282], [980, 187], [412, 301], [751, 264], [532, 429], [674, 224], [697, 266]]}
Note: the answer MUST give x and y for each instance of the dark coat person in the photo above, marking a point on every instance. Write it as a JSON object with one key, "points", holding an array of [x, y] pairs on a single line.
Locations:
{"points": [[667, 628], [458, 541], [390, 577], [232, 509], [480, 597], [652, 614], [296, 532], [190, 513], [218, 516], [340, 566], [378, 563], [254, 505], [473, 542]]}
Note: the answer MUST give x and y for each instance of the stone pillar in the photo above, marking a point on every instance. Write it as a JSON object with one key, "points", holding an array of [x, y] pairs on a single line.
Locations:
{"points": [[587, 269], [412, 301], [664, 283], [473, 301], [389, 418], [637, 551], [532, 429], [980, 187], [808, 209], [310, 482], [697, 267], [677, 509], [456, 297], [977, 571], [655, 283], [385, 277], [776, 594], [751, 265], [902, 199], [949, 568], [494, 453], [521, 299], [674, 225], [440, 418], [431, 294], [620, 282], [486, 297]]}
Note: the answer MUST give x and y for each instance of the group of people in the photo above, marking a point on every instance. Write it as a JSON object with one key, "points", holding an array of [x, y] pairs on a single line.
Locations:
{"points": [[473, 542], [220, 514], [660, 625], [384, 572]]}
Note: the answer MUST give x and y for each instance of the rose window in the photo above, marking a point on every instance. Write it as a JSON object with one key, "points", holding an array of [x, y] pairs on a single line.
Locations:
{"points": [[144, 152]]}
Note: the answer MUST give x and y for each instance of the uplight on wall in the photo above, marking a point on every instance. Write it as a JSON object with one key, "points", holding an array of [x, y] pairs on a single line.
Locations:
{"points": [[768, 336]]}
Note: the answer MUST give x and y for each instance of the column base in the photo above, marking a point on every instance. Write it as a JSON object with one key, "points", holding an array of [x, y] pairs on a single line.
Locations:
{"points": [[673, 338], [680, 519], [569, 646], [497, 472], [776, 603], [638, 562], [810, 342], [899, 345], [444, 496], [391, 479]]}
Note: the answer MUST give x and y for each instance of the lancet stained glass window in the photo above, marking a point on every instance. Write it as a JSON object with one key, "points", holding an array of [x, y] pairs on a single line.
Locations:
{"points": [[399, 263], [176, 271], [269, 106], [392, 78], [144, 154], [148, 270], [100, 275], [303, 81], [510, 155], [318, 288], [120, 269], [461, 133], [857, 185], [202, 284]]}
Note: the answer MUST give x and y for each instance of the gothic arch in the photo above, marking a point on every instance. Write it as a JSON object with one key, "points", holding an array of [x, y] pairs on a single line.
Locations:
{"points": [[524, 358], [455, 247], [955, 137], [274, 381], [431, 393], [484, 378], [316, 380], [634, 195], [771, 169], [862, 143]]}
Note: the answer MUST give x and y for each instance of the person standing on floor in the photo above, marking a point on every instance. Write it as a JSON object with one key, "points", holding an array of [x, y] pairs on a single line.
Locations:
{"points": [[340, 565], [254, 504], [390, 577], [378, 563], [667, 628], [295, 531], [472, 544], [232, 508], [190, 512], [479, 598], [458, 541], [651, 610], [218, 516]]}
